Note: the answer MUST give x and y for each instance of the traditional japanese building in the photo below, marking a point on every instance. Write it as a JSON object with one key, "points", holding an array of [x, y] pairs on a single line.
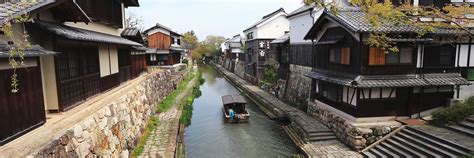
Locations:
{"points": [[234, 50], [257, 44], [362, 83], [76, 54], [164, 46]]}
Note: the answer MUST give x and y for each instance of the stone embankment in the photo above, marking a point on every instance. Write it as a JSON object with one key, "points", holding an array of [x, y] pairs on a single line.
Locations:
{"points": [[308, 129], [109, 125]]}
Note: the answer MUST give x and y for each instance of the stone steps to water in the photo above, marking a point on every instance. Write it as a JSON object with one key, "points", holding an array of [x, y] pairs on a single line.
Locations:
{"points": [[465, 127], [462, 130], [410, 142]]}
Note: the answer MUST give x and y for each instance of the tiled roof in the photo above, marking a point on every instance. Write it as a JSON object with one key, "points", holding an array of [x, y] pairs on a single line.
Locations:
{"points": [[158, 25], [73, 33], [11, 10], [302, 9], [130, 32], [411, 80], [356, 20], [265, 18], [140, 48], [34, 51], [282, 39]]}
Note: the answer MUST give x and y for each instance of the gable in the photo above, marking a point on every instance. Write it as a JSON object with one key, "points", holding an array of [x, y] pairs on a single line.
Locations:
{"points": [[156, 30]]}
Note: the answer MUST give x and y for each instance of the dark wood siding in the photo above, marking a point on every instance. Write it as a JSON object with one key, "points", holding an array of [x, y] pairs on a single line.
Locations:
{"points": [[138, 65], [301, 55], [78, 74], [347, 41], [24, 110], [107, 11]]}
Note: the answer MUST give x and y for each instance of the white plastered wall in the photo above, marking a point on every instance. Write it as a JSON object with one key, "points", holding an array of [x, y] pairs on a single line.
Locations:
{"points": [[300, 25], [273, 28]]}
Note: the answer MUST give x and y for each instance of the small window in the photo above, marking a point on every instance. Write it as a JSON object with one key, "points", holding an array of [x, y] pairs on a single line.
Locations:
{"points": [[377, 93], [378, 56], [340, 55], [406, 55]]}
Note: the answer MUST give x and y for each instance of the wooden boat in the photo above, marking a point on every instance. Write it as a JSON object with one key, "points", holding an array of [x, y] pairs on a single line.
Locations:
{"points": [[234, 109]]}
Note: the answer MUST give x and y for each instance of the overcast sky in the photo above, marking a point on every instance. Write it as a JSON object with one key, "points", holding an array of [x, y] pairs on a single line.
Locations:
{"points": [[206, 17]]}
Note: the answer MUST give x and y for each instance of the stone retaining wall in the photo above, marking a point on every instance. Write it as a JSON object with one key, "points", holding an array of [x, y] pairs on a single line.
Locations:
{"points": [[116, 128], [240, 69], [298, 86], [356, 137]]}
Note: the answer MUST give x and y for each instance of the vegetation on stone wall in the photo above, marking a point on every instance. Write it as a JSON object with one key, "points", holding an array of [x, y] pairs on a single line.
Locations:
{"points": [[152, 124], [188, 103], [170, 100], [270, 74], [454, 114]]}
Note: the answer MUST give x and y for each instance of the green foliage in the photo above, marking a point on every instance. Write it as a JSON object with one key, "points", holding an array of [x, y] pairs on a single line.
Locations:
{"points": [[454, 114], [185, 61], [270, 75], [20, 43], [170, 100], [188, 103], [152, 124], [190, 40]]}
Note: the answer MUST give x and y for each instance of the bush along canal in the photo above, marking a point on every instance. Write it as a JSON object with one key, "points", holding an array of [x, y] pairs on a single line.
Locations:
{"points": [[208, 135]]}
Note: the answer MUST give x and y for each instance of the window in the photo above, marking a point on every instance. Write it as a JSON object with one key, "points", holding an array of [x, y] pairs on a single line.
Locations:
{"points": [[179, 41], [439, 56], [378, 93], [250, 35], [378, 56], [340, 55], [152, 57], [337, 93]]}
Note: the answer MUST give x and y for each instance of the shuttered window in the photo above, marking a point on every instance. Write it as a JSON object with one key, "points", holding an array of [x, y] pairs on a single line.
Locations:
{"points": [[376, 56]]}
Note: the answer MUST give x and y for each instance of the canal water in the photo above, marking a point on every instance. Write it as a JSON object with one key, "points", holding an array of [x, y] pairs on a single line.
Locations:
{"points": [[209, 136]]}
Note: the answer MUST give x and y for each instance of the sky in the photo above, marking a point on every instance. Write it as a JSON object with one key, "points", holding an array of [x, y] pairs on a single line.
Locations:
{"points": [[208, 17]]}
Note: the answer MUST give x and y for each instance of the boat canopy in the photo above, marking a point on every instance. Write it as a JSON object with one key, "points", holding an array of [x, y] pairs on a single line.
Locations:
{"points": [[233, 99]]}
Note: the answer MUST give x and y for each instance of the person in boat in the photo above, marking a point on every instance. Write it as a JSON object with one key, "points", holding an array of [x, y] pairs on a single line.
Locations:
{"points": [[231, 113]]}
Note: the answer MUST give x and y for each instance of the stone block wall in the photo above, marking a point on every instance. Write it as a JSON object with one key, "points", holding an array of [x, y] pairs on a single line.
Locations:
{"points": [[115, 129], [240, 69], [299, 86], [355, 137]]}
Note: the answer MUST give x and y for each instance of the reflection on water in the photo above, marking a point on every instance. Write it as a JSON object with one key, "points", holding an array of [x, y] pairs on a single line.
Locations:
{"points": [[209, 136]]}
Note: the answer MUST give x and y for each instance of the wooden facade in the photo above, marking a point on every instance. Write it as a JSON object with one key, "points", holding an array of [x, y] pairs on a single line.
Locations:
{"points": [[106, 11], [339, 52], [159, 41], [22, 111], [77, 72]]}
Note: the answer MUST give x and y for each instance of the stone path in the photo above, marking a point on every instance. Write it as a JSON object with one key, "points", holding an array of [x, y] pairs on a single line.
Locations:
{"points": [[162, 141], [330, 148]]}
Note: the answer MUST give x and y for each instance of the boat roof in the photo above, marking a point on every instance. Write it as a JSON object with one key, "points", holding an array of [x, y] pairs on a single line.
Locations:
{"points": [[230, 99]]}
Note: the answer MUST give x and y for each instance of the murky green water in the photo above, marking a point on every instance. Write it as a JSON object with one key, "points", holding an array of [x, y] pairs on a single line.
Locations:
{"points": [[209, 136]]}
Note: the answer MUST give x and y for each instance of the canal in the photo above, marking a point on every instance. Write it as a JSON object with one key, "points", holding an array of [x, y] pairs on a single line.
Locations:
{"points": [[209, 136]]}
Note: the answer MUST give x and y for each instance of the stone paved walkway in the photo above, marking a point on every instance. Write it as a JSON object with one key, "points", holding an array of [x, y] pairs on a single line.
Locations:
{"points": [[162, 141], [332, 148]]}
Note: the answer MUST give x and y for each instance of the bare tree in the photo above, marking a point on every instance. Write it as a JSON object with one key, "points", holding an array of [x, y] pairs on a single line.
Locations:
{"points": [[133, 21]]}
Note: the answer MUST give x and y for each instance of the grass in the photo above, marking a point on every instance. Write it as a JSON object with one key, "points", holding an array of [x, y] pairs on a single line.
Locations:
{"points": [[170, 100], [188, 103], [152, 124]]}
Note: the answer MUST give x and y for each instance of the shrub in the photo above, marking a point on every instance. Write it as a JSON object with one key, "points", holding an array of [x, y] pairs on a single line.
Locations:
{"points": [[454, 114]]}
